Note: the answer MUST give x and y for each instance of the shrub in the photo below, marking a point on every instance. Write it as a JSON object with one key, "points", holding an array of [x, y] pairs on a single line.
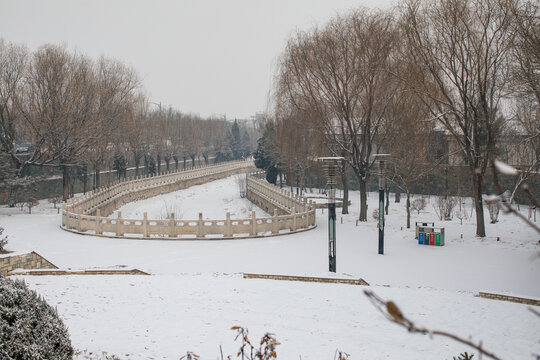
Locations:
{"points": [[445, 207], [493, 209], [464, 356], [418, 204], [171, 211], [55, 199], [241, 181], [375, 214], [31, 203], [30, 329], [3, 240]]}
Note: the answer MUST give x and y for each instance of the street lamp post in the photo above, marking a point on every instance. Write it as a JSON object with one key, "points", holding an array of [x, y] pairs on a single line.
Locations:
{"points": [[330, 164], [381, 160]]}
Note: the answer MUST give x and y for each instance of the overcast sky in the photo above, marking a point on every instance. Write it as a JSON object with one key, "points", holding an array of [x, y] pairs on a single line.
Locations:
{"points": [[200, 56]]}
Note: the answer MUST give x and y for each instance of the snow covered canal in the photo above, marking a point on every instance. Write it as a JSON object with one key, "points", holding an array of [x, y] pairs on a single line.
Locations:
{"points": [[213, 199], [196, 292]]}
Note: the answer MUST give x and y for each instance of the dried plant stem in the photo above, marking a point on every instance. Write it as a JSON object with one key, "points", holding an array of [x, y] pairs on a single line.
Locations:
{"points": [[393, 314]]}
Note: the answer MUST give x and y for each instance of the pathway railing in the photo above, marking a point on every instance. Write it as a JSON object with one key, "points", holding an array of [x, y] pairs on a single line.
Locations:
{"points": [[88, 213]]}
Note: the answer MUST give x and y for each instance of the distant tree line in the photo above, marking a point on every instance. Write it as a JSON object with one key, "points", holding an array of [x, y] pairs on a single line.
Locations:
{"points": [[61, 109], [396, 81]]}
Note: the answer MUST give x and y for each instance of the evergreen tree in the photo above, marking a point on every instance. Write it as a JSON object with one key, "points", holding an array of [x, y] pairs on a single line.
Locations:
{"points": [[120, 165], [235, 141], [30, 329], [266, 155], [3, 240], [245, 147], [223, 155]]}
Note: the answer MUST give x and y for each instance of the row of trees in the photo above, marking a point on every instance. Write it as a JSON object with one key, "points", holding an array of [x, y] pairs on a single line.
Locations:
{"points": [[79, 115], [385, 81]]}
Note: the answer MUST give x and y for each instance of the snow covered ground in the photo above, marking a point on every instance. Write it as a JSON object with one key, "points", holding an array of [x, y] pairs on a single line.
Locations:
{"points": [[197, 293], [223, 195]]}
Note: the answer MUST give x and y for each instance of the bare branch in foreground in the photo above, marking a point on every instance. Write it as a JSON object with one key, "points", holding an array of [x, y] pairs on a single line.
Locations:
{"points": [[390, 310]]}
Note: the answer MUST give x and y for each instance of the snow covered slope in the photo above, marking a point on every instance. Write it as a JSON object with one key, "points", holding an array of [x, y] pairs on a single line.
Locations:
{"points": [[197, 293]]}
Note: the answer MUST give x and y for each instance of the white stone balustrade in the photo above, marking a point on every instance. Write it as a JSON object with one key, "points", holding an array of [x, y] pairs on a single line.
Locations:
{"points": [[88, 213]]}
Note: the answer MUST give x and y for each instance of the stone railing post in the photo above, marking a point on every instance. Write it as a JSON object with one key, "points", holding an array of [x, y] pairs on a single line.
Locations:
{"points": [[228, 226], [98, 222], [79, 218], [119, 222], [172, 226], [145, 225], [275, 223], [293, 213], [253, 223], [200, 231], [63, 214]]}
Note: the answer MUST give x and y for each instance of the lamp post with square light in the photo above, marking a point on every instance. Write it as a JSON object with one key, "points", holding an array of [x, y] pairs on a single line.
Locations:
{"points": [[330, 165]]}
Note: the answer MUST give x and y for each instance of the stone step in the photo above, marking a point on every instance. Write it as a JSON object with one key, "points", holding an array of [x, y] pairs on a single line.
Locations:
{"points": [[79, 272], [307, 279]]}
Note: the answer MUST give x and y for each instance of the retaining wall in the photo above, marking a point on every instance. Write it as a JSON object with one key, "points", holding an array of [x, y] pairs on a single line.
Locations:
{"points": [[32, 260]]}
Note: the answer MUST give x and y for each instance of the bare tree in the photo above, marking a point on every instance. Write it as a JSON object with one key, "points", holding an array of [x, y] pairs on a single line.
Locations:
{"points": [[526, 49], [133, 129], [463, 49], [526, 89], [13, 71], [298, 142], [191, 137], [340, 72], [59, 106], [117, 87], [410, 132]]}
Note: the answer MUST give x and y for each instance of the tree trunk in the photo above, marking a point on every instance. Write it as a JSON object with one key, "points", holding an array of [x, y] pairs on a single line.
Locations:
{"points": [[303, 183], [408, 206], [145, 165], [192, 160], [345, 183], [97, 176], [479, 207], [85, 179], [167, 161], [387, 200], [65, 183], [158, 164], [137, 161], [363, 200], [12, 200], [398, 195], [184, 162]]}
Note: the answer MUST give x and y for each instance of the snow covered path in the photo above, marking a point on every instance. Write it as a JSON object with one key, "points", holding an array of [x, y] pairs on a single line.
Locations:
{"points": [[196, 292]]}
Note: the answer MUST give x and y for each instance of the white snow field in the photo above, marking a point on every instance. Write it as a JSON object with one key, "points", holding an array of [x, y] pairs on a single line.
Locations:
{"points": [[222, 196], [196, 292]]}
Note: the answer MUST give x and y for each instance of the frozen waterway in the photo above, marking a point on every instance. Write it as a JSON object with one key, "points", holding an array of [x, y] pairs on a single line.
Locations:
{"points": [[213, 199]]}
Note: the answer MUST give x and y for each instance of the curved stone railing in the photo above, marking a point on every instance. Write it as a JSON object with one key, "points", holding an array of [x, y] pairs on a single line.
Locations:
{"points": [[87, 214]]}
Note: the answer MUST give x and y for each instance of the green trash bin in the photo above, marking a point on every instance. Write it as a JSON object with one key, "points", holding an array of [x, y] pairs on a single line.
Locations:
{"points": [[437, 239]]}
